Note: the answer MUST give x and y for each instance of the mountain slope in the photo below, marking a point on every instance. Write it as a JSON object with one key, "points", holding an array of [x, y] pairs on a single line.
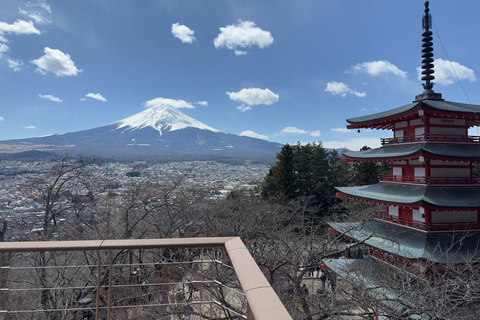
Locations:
{"points": [[155, 133]]}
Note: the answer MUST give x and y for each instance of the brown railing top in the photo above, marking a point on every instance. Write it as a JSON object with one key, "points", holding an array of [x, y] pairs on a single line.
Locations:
{"points": [[263, 302], [87, 245]]}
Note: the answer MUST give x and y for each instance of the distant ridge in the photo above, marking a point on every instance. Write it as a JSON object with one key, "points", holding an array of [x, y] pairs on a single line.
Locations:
{"points": [[157, 133]]}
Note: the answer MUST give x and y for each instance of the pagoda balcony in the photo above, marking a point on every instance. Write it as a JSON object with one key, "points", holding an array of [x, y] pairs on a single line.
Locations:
{"points": [[421, 225], [432, 137], [429, 180], [188, 278]]}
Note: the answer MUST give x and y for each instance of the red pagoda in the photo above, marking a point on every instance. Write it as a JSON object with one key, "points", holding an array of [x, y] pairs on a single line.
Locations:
{"points": [[431, 198]]}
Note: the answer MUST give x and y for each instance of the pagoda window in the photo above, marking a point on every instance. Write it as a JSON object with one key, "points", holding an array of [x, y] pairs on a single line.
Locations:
{"points": [[420, 175], [401, 124], [418, 216], [393, 211], [397, 171], [454, 216], [419, 132]]}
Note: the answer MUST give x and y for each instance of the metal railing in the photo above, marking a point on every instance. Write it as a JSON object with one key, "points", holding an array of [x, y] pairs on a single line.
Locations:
{"points": [[432, 137], [446, 226], [194, 278]]}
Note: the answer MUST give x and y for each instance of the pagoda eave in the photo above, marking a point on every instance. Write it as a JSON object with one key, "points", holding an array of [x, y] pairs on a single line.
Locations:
{"points": [[415, 195], [437, 151], [412, 244], [438, 108]]}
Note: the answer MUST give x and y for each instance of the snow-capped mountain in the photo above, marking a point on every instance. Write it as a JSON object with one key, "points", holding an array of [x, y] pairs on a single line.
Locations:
{"points": [[161, 118], [161, 132]]}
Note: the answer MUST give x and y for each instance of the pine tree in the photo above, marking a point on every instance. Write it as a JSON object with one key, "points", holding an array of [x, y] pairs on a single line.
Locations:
{"points": [[366, 172]]}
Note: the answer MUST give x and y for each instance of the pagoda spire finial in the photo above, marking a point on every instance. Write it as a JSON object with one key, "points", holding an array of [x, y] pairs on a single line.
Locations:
{"points": [[427, 50], [427, 58]]}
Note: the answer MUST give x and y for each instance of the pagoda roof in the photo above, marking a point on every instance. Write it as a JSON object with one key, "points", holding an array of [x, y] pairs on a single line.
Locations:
{"points": [[440, 105], [367, 273], [449, 197], [442, 150], [460, 247]]}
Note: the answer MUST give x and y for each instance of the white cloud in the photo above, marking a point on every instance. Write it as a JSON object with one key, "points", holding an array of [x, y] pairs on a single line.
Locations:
{"points": [[2, 38], [316, 133], [2, 119], [342, 130], [202, 103], [254, 96], [341, 89], [83, 99], [50, 97], [160, 102], [184, 33], [16, 65], [29, 127], [445, 75], [18, 27], [293, 130], [242, 35], [44, 5], [37, 16], [3, 48], [96, 96], [244, 108], [381, 67], [240, 52], [56, 62], [251, 134], [353, 144]]}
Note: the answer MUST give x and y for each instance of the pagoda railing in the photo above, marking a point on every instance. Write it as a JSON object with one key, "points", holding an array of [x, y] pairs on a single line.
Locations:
{"points": [[431, 137], [130, 279], [429, 180], [447, 226]]}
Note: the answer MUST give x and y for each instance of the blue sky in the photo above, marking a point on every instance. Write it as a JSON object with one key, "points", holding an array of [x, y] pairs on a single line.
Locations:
{"points": [[282, 70]]}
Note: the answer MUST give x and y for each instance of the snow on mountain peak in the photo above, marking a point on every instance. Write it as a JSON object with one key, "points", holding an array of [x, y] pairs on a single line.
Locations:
{"points": [[162, 118]]}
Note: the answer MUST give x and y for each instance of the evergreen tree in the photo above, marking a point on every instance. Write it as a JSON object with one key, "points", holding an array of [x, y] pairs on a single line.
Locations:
{"points": [[282, 175], [366, 172]]}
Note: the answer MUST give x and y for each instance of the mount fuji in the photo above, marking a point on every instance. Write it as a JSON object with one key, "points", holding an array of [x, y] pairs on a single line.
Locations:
{"points": [[160, 132]]}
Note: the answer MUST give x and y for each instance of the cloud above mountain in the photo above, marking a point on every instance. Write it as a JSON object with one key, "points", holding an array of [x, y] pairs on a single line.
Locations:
{"points": [[244, 34], [56, 62], [446, 72], [380, 68], [96, 96], [341, 89], [253, 97], [251, 134], [161, 102], [18, 27], [50, 97], [184, 33]]}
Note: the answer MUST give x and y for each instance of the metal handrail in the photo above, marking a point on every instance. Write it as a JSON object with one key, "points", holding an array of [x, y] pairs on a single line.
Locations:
{"points": [[262, 301]]}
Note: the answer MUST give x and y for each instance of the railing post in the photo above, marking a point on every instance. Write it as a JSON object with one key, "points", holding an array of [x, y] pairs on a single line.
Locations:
{"points": [[97, 298], [109, 299], [250, 315]]}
